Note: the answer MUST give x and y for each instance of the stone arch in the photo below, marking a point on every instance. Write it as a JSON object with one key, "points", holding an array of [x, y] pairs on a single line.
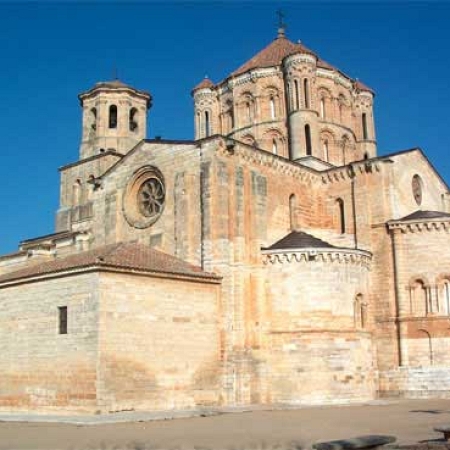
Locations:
{"points": [[207, 123], [340, 214], [342, 104], [293, 207], [422, 351], [295, 90], [247, 108], [327, 144], [345, 147], [443, 294], [248, 139], [360, 312], [112, 116], [77, 193], [272, 102], [274, 142], [133, 123], [90, 186], [324, 97], [420, 304], [227, 116]]}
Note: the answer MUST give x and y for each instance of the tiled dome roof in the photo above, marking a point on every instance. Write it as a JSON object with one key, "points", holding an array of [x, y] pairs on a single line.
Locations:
{"points": [[204, 84], [273, 54]]}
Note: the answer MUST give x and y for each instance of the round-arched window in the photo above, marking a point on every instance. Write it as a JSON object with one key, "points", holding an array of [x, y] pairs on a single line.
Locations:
{"points": [[417, 189]]}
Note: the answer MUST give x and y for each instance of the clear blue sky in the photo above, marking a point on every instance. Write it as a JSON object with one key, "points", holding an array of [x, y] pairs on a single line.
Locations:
{"points": [[52, 51]]}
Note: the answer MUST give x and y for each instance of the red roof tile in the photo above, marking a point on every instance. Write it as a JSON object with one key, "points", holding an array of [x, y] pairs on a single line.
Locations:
{"points": [[273, 54], [325, 65], [132, 256], [204, 84], [362, 87]]}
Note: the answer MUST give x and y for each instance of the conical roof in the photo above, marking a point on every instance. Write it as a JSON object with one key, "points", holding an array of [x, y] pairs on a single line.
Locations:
{"points": [[299, 239], [115, 84], [273, 54], [206, 83], [423, 215]]}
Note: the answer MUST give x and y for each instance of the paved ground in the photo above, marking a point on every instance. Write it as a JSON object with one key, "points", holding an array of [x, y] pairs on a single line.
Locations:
{"points": [[411, 421]]}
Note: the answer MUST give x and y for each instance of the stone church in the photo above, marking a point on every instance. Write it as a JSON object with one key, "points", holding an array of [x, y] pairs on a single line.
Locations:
{"points": [[275, 259]]}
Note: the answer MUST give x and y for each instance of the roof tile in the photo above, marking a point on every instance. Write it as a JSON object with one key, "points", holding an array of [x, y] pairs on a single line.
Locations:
{"points": [[419, 215], [272, 55], [131, 255], [299, 239]]}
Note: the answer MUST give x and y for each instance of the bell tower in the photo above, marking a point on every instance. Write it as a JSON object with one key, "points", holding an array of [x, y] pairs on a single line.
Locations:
{"points": [[114, 118]]}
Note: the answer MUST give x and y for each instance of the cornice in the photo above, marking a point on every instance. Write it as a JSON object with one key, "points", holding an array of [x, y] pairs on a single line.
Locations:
{"points": [[417, 226], [345, 173], [263, 158], [313, 255]]}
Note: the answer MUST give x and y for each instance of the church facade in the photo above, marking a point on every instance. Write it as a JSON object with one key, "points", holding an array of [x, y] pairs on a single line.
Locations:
{"points": [[275, 259]]}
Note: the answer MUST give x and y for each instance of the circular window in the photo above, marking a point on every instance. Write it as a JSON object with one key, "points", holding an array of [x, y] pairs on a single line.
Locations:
{"points": [[144, 197], [417, 189], [151, 197]]}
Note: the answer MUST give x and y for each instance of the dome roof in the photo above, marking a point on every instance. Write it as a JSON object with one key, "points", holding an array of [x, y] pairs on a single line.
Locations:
{"points": [[206, 83], [115, 84], [273, 54], [299, 239]]}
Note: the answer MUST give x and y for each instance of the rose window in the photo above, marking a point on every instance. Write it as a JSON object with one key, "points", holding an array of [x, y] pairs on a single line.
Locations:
{"points": [[151, 197], [144, 197]]}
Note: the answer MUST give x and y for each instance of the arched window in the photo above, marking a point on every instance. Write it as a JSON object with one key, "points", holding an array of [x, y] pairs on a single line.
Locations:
{"points": [[274, 147], [364, 126], [207, 124], [91, 185], [322, 108], [308, 140], [306, 92], [133, 124], [443, 303], [272, 108], [93, 118], [422, 354], [199, 123], [293, 212], [76, 193], [249, 139], [296, 95], [366, 155], [341, 107], [360, 312], [341, 215], [326, 155], [420, 306], [113, 116]]}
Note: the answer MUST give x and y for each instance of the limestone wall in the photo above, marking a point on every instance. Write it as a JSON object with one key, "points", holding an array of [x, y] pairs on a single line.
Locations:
{"points": [[319, 328], [40, 368], [415, 382], [159, 344]]}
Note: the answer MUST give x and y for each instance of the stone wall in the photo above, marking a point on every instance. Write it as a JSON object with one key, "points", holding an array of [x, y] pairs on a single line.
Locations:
{"points": [[159, 344], [415, 382], [40, 368], [319, 335]]}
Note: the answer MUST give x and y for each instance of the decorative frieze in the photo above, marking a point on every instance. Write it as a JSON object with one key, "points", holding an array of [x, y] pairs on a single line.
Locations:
{"points": [[419, 226], [312, 255]]}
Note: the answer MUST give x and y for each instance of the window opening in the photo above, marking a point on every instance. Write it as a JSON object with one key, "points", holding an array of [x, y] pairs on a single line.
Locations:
{"points": [[62, 319], [113, 116]]}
